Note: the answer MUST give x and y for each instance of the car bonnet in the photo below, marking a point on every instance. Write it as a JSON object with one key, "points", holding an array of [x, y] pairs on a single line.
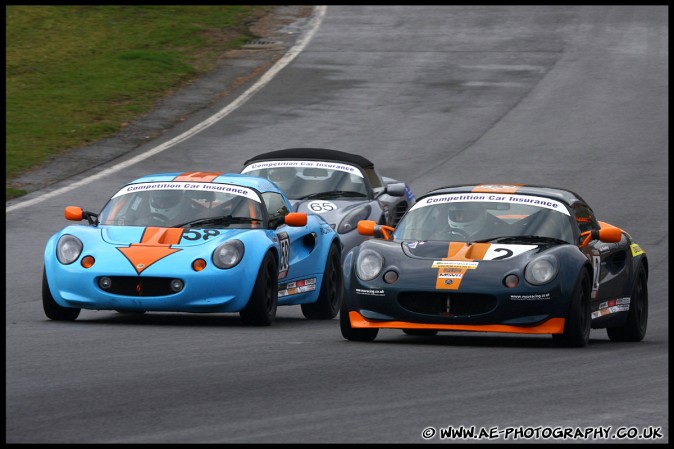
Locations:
{"points": [[157, 236], [331, 210], [465, 251]]}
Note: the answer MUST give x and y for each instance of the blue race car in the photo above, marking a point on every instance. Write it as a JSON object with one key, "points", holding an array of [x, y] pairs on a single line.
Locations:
{"points": [[497, 258], [194, 242]]}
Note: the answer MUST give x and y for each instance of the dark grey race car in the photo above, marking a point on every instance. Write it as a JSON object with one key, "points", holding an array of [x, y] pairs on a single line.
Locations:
{"points": [[497, 258], [341, 187]]}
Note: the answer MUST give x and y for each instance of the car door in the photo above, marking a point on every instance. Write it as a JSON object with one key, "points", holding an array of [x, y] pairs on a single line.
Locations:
{"points": [[296, 244], [610, 261]]}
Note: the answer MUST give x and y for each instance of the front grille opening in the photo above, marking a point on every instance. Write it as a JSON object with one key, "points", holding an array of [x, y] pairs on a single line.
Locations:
{"points": [[140, 286], [444, 304]]}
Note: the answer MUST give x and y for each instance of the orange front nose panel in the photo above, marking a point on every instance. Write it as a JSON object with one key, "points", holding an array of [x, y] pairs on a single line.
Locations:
{"points": [[551, 326], [154, 245]]}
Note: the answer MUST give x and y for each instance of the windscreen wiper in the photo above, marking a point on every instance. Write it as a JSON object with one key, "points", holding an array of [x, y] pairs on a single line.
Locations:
{"points": [[332, 194], [222, 220], [511, 238]]}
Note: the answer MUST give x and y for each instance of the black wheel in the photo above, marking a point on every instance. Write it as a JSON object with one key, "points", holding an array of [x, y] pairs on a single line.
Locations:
{"points": [[261, 307], [330, 296], [130, 312], [51, 308], [578, 321], [349, 332], [634, 328], [420, 332]]}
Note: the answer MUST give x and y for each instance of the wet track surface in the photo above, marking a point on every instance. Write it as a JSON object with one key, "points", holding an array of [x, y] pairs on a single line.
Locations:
{"points": [[572, 96]]}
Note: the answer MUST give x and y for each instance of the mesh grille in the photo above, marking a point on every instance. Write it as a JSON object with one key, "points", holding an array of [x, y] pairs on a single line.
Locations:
{"points": [[444, 304], [140, 286]]}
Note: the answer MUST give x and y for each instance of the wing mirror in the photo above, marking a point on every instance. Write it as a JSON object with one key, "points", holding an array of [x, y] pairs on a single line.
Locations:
{"points": [[372, 229], [75, 213], [296, 219], [606, 234], [396, 189]]}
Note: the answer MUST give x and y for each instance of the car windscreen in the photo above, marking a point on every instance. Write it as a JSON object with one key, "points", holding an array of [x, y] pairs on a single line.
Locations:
{"points": [[474, 217], [302, 179], [184, 204]]}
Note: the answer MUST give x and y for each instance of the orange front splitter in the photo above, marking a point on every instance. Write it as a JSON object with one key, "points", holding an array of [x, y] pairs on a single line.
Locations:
{"points": [[551, 326]]}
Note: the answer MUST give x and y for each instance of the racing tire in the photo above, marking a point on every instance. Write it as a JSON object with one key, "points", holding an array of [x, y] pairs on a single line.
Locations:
{"points": [[51, 308], [634, 328], [261, 307], [349, 332], [330, 296], [578, 321], [420, 332]]}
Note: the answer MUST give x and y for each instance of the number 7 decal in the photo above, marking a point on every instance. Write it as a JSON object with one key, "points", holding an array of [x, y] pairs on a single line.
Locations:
{"points": [[596, 262]]}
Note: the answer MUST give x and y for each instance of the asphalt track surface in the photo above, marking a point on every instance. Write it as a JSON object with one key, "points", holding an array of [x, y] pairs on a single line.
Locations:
{"points": [[570, 96]]}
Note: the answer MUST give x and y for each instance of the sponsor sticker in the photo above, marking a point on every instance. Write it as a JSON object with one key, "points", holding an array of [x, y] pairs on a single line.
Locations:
{"points": [[369, 292], [454, 264], [450, 275], [181, 185], [636, 249], [304, 164], [533, 297], [530, 200], [293, 288], [609, 310], [612, 306]]}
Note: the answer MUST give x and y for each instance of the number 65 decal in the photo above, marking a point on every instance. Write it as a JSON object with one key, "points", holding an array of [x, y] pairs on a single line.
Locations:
{"points": [[321, 206]]}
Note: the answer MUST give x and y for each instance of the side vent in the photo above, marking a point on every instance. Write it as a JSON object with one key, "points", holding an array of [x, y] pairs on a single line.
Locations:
{"points": [[309, 241], [400, 210]]}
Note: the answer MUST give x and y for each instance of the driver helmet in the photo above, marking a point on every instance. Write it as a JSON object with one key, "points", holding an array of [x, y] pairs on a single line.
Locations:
{"points": [[281, 176], [466, 217], [166, 202]]}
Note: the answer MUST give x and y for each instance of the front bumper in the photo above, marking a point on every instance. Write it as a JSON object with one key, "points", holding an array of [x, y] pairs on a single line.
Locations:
{"points": [[211, 290], [525, 309]]}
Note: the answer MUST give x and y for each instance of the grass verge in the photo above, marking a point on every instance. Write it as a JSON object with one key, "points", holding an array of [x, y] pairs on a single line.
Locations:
{"points": [[77, 74]]}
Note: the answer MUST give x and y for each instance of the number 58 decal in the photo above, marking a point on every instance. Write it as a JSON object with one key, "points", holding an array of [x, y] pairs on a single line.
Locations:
{"points": [[205, 234], [284, 259]]}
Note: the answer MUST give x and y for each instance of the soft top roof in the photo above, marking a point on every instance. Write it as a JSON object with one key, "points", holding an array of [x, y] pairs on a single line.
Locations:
{"points": [[322, 154]]}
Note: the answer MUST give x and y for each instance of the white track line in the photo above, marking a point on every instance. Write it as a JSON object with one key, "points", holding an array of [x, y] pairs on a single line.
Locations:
{"points": [[314, 24]]}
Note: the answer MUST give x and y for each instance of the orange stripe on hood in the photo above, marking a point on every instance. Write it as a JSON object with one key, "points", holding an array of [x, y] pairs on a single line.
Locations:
{"points": [[155, 244], [161, 236], [198, 176], [449, 277], [499, 188]]}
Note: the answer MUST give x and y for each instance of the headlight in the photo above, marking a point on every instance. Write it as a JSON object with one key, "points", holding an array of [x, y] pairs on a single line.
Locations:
{"points": [[369, 264], [350, 221], [541, 270], [228, 254], [68, 249]]}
